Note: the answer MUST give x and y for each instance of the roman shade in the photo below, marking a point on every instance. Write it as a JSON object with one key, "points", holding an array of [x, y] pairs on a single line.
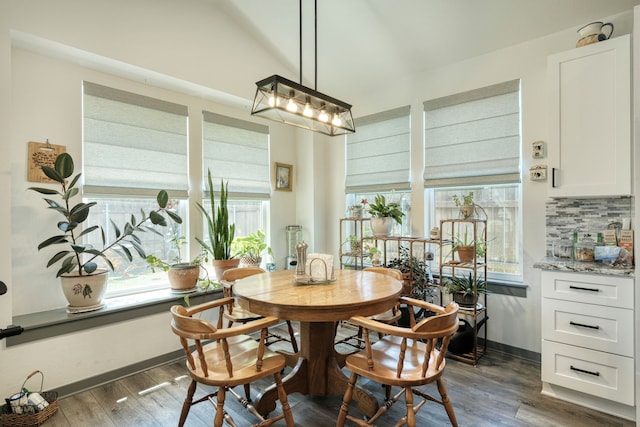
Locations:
{"points": [[378, 155], [473, 137], [133, 144], [237, 151]]}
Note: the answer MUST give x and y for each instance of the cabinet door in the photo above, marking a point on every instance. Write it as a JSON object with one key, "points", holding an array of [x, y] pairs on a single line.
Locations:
{"points": [[590, 123]]}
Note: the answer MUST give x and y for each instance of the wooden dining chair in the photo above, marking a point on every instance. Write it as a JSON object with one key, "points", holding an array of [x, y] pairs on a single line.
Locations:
{"points": [[225, 358], [236, 314], [404, 357], [390, 317]]}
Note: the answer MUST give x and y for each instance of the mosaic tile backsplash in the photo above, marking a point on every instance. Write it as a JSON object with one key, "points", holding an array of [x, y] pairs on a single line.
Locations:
{"points": [[586, 216]]}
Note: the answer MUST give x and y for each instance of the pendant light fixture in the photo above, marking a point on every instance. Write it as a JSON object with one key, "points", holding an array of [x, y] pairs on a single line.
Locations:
{"points": [[292, 103]]}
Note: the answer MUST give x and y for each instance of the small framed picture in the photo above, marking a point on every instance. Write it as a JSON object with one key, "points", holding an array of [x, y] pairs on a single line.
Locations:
{"points": [[284, 177]]}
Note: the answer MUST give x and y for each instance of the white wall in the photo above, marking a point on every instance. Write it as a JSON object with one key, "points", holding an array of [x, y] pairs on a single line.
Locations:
{"points": [[198, 44], [514, 321], [40, 98]]}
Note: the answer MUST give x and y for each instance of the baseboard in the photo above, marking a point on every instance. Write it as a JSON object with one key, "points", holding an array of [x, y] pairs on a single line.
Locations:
{"points": [[521, 353], [125, 371]]}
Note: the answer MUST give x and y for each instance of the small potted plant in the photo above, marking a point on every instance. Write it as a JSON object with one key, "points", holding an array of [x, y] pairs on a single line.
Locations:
{"points": [[220, 231], [467, 247], [183, 276], [83, 283], [384, 215], [249, 249], [465, 289], [355, 211], [417, 275], [465, 204]]}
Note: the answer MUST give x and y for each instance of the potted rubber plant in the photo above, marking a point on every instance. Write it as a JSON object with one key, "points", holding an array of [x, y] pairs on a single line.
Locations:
{"points": [[384, 215], [83, 282], [220, 232]]}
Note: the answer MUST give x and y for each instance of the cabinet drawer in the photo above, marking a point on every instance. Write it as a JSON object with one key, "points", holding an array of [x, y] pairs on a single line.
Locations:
{"points": [[611, 291], [587, 325], [601, 374]]}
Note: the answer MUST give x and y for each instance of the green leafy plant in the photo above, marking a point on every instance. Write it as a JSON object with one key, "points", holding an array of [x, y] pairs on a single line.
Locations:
{"points": [[381, 209], [177, 241], [251, 246], [467, 199], [418, 271], [465, 285], [221, 233], [80, 256]]}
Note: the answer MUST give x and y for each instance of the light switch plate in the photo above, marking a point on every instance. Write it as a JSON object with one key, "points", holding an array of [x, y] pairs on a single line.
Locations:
{"points": [[539, 150], [538, 173]]}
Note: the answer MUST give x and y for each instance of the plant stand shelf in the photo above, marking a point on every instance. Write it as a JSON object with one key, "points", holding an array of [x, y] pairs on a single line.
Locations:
{"points": [[477, 314]]}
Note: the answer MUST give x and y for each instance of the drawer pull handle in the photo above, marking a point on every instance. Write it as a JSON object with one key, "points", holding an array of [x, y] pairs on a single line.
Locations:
{"points": [[572, 323], [580, 288], [595, 374]]}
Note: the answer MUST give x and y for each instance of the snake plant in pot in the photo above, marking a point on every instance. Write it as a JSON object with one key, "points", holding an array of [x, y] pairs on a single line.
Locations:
{"points": [[220, 232], [84, 284]]}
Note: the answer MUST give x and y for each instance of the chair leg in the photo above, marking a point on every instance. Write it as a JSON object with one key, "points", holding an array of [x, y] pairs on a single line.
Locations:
{"points": [[344, 408], [446, 402], [411, 415], [219, 418], [294, 342], [284, 402], [247, 391], [187, 403]]}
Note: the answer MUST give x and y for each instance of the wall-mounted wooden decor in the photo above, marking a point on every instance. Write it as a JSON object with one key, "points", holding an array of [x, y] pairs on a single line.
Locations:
{"points": [[42, 154]]}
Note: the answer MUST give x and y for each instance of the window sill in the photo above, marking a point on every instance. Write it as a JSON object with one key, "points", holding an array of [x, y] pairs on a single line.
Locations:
{"points": [[47, 324]]}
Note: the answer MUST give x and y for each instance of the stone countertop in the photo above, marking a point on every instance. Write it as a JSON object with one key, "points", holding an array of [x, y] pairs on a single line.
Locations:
{"points": [[583, 267]]}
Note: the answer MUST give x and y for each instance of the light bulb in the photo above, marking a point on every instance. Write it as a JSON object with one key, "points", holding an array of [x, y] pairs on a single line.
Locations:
{"points": [[308, 112], [274, 101], [323, 116], [336, 121], [291, 106]]}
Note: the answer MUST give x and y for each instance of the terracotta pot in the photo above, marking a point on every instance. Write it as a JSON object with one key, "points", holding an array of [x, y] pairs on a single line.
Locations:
{"points": [[466, 253], [406, 284], [183, 276], [220, 265], [381, 227], [85, 291]]}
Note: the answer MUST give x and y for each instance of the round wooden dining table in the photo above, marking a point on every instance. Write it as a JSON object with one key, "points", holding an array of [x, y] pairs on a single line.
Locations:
{"points": [[317, 307]]}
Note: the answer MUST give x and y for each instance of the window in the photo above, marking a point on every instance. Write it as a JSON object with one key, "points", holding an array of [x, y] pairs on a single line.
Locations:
{"points": [[472, 143], [378, 161], [238, 152], [128, 141]]}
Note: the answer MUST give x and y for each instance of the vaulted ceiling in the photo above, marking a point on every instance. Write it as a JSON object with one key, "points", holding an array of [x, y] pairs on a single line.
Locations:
{"points": [[362, 43]]}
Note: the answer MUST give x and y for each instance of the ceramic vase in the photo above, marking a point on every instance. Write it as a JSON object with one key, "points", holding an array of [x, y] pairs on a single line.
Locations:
{"points": [[381, 227], [85, 291]]}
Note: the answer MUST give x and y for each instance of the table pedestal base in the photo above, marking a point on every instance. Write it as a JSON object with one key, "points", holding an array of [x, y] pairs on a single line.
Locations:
{"points": [[316, 372]]}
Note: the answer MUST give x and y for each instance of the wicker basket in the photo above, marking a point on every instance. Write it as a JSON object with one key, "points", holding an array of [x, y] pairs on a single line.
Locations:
{"points": [[30, 416]]}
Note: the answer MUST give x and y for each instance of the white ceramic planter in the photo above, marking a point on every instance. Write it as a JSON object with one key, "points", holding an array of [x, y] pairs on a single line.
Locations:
{"points": [[85, 291], [382, 227]]}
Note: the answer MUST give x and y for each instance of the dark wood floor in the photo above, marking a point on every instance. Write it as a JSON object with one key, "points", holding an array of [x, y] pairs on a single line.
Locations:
{"points": [[500, 391]]}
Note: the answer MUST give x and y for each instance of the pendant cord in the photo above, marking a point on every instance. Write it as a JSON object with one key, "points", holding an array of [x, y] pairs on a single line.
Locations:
{"points": [[300, 19], [315, 39]]}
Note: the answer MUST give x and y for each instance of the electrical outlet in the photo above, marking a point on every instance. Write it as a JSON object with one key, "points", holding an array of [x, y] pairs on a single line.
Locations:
{"points": [[538, 173], [538, 150]]}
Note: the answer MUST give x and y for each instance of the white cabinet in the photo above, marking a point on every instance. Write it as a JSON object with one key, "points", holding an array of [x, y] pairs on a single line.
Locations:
{"points": [[590, 120], [588, 334]]}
